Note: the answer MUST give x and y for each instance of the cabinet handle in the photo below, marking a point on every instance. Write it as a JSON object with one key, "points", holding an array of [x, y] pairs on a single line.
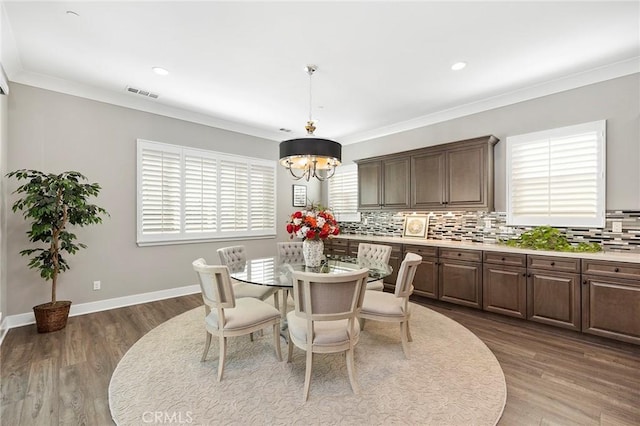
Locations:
{"points": [[460, 254], [529, 275], [617, 270], [553, 263], [503, 259], [524, 274], [584, 282]]}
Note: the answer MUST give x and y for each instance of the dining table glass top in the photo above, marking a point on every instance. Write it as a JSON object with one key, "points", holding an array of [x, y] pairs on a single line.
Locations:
{"points": [[270, 272]]}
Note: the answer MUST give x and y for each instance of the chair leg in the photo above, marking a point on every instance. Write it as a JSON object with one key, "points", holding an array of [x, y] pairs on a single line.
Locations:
{"points": [[307, 374], [276, 340], [207, 343], [404, 335], [276, 300], [351, 371], [289, 347], [361, 320], [409, 332], [223, 353]]}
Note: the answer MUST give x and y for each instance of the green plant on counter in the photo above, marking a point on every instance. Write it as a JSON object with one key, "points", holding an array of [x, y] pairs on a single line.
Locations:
{"points": [[548, 238]]}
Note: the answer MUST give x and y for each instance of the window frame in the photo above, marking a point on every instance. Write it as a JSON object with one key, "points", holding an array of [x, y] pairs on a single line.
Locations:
{"points": [[598, 220], [184, 237]]}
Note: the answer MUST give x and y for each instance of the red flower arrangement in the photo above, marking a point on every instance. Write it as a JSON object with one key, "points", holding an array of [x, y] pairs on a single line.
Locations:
{"points": [[315, 223]]}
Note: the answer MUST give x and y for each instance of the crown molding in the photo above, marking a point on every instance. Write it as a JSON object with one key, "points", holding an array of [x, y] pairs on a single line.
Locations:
{"points": [[597, 75]]}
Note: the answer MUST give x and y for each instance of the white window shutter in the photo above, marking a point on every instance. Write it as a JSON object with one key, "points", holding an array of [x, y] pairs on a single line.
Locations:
{"points": [[201, 194], [159, 191], [234, 196], [187, 194], [343, 194], [557, 177]]}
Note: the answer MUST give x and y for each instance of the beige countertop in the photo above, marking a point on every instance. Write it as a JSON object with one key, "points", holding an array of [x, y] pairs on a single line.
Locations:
{"points": [[605, 255]]}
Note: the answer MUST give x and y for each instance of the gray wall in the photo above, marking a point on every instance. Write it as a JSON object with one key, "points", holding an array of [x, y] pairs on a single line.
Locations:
{"points": [[617, 101], [55, 132]]}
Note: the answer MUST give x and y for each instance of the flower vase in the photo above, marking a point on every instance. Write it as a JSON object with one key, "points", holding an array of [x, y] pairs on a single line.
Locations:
{"points": [[312, 251]]}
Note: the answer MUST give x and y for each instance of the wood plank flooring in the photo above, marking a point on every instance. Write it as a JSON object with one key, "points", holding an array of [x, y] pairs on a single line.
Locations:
{"points": [[554, 376]]}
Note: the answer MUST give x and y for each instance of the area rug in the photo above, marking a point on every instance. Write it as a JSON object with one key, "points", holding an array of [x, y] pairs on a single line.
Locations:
{"points": [[451, 379]]}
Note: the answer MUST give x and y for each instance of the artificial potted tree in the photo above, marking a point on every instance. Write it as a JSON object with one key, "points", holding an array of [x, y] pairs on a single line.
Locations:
{"points": [[51, 202]]}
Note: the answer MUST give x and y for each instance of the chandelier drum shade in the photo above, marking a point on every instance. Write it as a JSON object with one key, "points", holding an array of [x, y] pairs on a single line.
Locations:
{"points": [[310, 155]]}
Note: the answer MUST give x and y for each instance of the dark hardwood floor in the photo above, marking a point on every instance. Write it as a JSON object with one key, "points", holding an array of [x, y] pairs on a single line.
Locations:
{"points": [[554, 377]]}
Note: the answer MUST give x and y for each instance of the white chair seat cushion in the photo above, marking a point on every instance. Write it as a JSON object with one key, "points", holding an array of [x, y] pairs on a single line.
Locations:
{"points": [[383, 304], [377, 285], [242, 290], [248, 312], [328, 333]]}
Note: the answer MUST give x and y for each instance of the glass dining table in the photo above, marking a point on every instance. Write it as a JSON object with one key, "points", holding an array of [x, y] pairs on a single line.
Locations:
{"points": [[270, 271]]}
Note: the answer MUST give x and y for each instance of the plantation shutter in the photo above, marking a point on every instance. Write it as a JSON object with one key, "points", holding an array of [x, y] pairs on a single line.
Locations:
{"points": [[234, 196], [201, 193], [343, 194], [159, 191], [187, 194], [262, 197], [557, 177]]}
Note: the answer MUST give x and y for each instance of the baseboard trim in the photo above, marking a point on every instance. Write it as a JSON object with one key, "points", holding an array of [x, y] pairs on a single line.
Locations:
{"points": [[3, 329], [19, 320]]}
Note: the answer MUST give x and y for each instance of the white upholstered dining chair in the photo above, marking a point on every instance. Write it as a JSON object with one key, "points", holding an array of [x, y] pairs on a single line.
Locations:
{"points": [[325, 317], [377, 253], [226, 316], [235, 258], [394, 307], [289, 252]]}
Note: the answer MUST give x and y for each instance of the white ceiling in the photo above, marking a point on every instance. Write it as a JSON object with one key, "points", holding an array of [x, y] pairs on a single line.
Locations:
{"points": [[382, 66]]}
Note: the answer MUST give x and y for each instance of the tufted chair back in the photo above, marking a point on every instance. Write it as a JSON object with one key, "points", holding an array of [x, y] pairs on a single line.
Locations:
{"points": [[290, 252], [375, 252], [234, 257]]}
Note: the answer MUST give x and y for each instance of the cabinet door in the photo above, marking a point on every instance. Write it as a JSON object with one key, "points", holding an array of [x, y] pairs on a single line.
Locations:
{"points": [[428, 180], [369, 185], [504, 290], [425, 282], [554, 298], [395, 186], [611, 308], [467, 177], [461, 283]]}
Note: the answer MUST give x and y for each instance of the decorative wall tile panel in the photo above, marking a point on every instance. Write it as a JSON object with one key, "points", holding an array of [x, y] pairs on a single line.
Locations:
{"points": [[490, 227]]}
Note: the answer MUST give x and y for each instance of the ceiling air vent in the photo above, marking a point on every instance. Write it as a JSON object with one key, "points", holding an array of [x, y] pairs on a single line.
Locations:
{"points": [[141, 92]]}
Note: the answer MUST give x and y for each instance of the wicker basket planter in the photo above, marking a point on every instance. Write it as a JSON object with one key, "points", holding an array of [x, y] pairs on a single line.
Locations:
{"points": [[52, 316]]}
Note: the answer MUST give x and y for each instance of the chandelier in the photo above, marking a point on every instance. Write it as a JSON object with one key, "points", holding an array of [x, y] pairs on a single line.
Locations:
{"points": [[310, 155]]}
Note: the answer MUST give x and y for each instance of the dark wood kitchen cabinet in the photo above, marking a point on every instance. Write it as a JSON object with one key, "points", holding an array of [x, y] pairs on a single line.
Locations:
{"points": [[553, 291], [611, 299], [454, 176], [425, 282], [504, 283], [460, 277], [384, 184], [450, 176]]}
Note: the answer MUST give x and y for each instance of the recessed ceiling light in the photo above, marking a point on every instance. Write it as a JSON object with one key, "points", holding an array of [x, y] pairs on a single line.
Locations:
{"points": [[72, 13], [160, 71], [458, 66]]}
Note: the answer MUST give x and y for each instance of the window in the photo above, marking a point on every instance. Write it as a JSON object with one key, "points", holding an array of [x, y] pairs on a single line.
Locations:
{"points": [[187, 194], [557, 177], [343, 194]]}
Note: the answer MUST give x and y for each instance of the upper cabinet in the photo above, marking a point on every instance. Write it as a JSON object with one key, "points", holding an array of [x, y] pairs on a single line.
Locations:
{"points": [[384, 184], [452, 176]]}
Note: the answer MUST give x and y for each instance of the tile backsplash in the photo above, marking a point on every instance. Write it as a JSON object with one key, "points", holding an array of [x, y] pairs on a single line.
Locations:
{"points": [[489, 227]]}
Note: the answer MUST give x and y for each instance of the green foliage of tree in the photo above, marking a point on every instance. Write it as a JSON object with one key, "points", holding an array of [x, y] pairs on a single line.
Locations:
{"points": [[548, 238], [51, 202]]}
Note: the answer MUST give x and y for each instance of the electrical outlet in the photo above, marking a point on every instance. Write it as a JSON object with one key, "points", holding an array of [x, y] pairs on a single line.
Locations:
{"points": [[616, 226], [487, 224], [96, 285]]}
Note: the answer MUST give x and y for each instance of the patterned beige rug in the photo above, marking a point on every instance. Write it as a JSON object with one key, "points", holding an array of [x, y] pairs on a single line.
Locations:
{"points": [[451, 379]]}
